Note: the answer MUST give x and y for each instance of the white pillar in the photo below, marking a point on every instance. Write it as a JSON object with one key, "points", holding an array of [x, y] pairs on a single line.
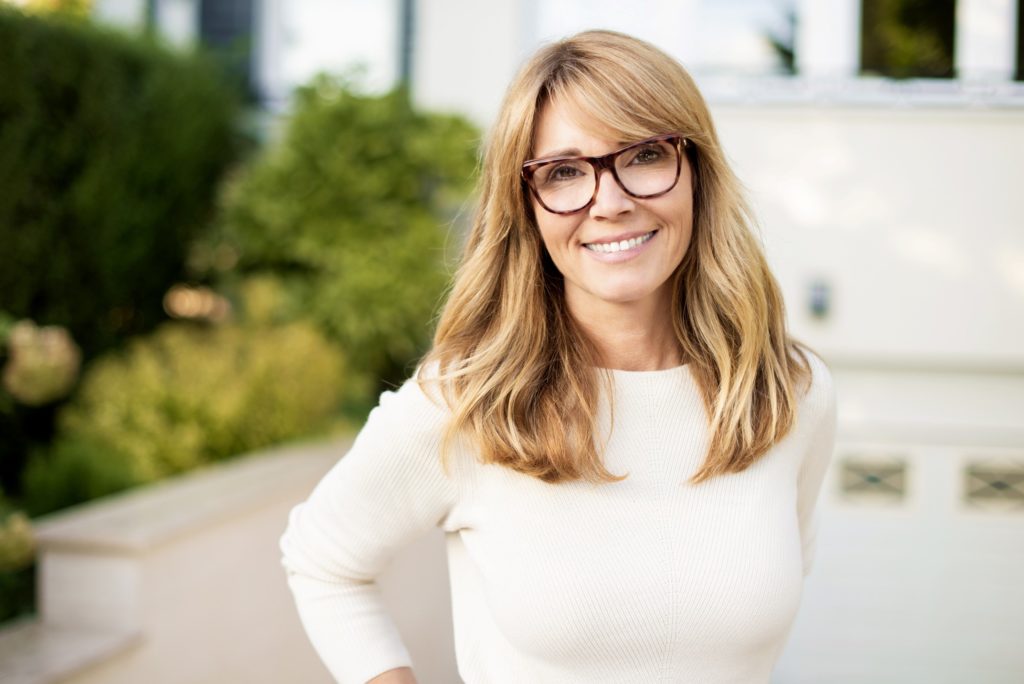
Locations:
{"points": [[130, 14], [466, 52], [828, 38], [269, 38], [178, 21], [985, 39]]}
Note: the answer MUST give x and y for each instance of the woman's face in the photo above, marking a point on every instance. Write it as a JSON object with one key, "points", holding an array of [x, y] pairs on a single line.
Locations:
{"points": [[595, 277]]}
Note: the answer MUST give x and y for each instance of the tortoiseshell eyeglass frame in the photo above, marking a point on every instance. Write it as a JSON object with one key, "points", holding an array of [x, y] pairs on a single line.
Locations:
{"points": [[606, 161]]}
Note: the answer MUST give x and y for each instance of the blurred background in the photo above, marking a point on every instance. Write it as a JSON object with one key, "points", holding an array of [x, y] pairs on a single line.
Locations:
{"points": [[227, 225]]}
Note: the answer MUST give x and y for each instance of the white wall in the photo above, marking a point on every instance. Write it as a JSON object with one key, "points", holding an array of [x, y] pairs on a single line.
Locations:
{"points": [[923, 590], [466, 52], [913, 215]]}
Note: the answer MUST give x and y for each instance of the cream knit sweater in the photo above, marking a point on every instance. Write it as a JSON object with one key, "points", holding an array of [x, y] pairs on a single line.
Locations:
{"points": [[650, 579]]}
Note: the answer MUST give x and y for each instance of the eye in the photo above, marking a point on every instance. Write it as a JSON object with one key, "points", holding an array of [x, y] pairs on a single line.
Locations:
{"points": [[565, 172], [561, 172], [648, 154]]}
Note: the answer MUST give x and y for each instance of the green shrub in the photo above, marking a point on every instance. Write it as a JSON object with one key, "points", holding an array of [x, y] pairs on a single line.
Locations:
{"points": [[72, 471], [351, 210], [17, 545], [182, 397], [17, 562], [110, 153], [17, 592]]}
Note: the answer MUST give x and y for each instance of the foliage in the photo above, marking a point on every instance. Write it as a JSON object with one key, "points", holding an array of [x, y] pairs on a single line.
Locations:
{"points": [[17, 546], [78, 9], [17, 592], [182, 397], [7, 322], [43, 363], [70, 471], [110, 152], [908, 38], [17, 562], [350, 211]]}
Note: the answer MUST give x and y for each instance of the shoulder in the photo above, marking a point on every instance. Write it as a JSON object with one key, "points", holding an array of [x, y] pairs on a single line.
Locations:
{"points": [[818, 400], [414, 411]]}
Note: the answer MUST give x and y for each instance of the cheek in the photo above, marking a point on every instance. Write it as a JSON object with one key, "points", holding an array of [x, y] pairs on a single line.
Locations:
{"points": [[556, 234]]}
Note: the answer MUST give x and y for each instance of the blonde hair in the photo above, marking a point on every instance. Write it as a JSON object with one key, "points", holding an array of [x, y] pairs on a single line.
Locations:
{"points": [[516, 369]]}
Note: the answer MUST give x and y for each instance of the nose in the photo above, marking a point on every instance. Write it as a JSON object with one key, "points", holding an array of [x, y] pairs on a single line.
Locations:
{"points": [[610, 200]]}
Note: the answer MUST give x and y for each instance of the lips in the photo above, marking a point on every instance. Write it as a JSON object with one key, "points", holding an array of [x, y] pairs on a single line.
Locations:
{"points": [[620, 243]]}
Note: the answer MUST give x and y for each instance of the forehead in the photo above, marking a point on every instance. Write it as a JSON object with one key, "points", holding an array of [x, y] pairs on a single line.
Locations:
{"points": [[562, 127]]}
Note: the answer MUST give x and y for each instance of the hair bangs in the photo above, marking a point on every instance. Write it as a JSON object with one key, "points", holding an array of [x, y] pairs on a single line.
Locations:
{"points": [[609, 101]]}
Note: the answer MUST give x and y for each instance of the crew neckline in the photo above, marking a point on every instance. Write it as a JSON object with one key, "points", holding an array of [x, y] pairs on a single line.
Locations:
{"points": [[647, 374]]}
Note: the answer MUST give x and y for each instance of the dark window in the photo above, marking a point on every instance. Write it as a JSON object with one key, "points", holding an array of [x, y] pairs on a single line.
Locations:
{"points": [[907, 38], [1019, 74], [226, 30]]}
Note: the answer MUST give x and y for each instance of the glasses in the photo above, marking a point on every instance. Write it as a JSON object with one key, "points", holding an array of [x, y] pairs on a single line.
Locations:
{"points": [[566, 185]]}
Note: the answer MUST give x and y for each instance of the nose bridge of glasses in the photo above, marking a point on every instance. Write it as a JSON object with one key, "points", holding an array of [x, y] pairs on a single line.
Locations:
{"points": [[607, 163]]}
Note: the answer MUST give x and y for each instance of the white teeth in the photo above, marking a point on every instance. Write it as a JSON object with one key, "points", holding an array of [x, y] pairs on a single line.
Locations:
{"points": [[612, 247]]}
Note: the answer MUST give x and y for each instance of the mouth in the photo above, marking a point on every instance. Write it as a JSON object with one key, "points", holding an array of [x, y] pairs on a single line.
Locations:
{"points": [[623, 245]]}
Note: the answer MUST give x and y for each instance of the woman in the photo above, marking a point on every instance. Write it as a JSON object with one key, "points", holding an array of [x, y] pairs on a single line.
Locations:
{"points": [[613, 426]]}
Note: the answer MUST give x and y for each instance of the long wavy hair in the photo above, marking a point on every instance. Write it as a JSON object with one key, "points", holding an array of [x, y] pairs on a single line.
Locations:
{"points": [[521, 378]]}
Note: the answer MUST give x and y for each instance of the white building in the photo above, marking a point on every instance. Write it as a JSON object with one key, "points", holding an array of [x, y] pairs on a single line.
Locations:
{"points": [[893, 213]]}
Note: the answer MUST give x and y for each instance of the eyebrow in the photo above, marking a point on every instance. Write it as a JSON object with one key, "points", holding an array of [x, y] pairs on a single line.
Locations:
{"points": [[567, 152], [575, 152]]}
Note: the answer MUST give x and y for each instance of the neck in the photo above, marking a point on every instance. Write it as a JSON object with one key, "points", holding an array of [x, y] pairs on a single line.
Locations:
{"points": [[637, 336]]}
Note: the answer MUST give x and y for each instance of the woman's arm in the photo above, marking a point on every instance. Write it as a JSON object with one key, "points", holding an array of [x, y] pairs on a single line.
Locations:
{"points": [[401, 675], [389, 489]]}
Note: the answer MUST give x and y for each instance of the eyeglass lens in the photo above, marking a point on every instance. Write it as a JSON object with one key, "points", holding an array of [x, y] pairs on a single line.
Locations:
{"points": [[642, 170]]}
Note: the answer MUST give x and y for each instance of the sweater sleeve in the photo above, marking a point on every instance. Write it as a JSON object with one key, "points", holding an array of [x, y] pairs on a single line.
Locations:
{"points": [[388, 489], [820, 407]]}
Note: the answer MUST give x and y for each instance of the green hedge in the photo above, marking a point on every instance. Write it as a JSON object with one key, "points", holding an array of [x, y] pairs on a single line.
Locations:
{"points": [[110, 153], [352, 209], [111, 149]]}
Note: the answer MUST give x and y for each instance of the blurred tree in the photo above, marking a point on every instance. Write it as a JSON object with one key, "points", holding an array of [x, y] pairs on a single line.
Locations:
{"points": [[908, 38], [73, 8], [110, 150], [350, 210]]}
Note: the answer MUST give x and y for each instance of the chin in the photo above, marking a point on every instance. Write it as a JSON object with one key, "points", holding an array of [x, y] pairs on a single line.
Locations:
{"points": [[626, 295]]}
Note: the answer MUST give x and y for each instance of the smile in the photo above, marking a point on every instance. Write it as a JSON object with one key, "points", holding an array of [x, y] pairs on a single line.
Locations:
{"points": [[621, 246]]}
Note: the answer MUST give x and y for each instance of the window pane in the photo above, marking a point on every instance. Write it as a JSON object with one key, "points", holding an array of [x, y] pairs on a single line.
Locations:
{"points": [[752, 37], [907, 38]]}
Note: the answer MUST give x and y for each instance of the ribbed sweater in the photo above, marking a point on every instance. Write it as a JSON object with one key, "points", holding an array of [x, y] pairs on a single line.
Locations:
{"points": [[650, 579]]}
